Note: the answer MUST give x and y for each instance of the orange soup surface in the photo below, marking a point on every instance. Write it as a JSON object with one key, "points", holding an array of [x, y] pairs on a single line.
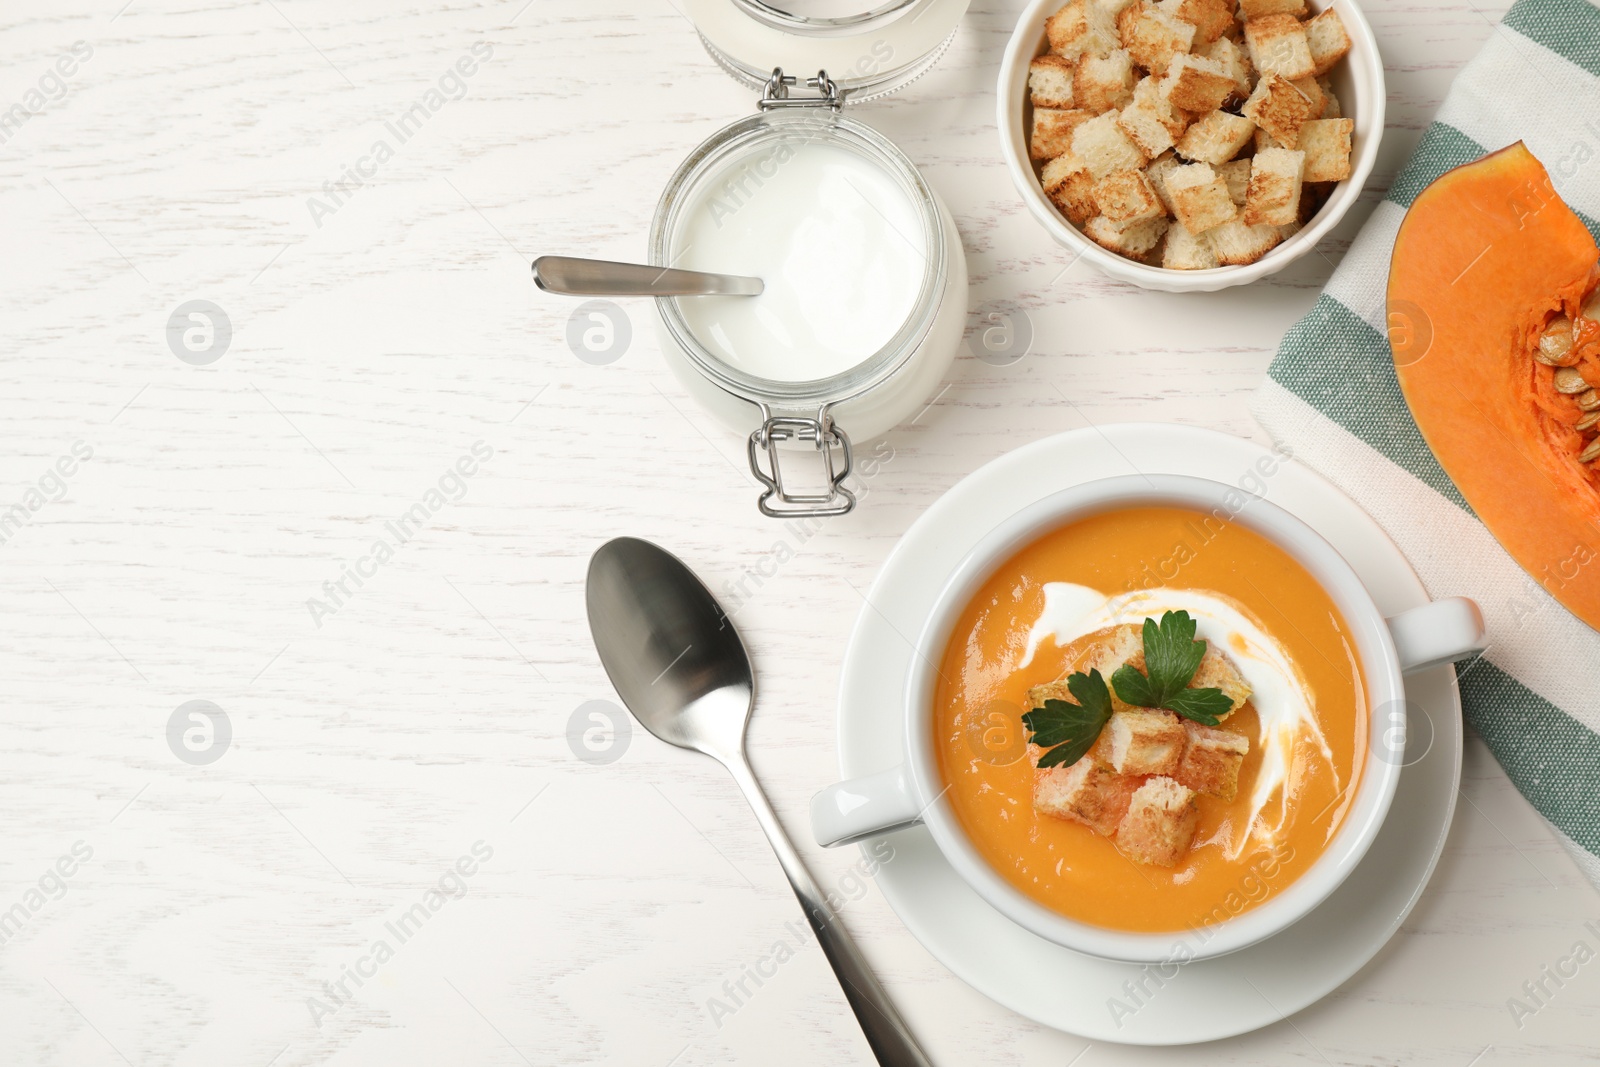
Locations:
{"points": [[1236, 861]]}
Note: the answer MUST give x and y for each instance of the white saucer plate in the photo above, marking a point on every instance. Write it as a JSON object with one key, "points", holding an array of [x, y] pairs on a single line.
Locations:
{"points": [[1055, 986]]}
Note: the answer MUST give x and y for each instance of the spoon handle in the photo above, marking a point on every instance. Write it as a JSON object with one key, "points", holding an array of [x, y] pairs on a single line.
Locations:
{"points": [[601, 277], [885, 1030]]}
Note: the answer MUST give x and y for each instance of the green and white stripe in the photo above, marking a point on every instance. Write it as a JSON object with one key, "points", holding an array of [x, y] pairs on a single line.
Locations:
{"points": [[1333, 396]]}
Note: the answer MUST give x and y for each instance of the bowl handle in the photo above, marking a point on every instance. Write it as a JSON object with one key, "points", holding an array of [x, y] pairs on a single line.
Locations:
{"points": [[1441, 632], [847, 812]]}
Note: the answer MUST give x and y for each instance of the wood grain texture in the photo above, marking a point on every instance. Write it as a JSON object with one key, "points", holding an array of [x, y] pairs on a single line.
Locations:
{"points": [[373, 748]]}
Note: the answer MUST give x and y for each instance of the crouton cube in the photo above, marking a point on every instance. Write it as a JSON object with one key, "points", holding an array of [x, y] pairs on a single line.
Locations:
{"points": [[1075, 199], [1110, 648], [1312, 91], [1050, 81], [1117, 646], [1113, 646], [1236, 174], [1211, 761], [1126, 196], [1273, 198], [1195, 83], [1234, 63], [1255, 9], [1327, 40], [1115, 7], [1330, 109], [1279, 108], [1157, 172], [1053, 129], [1102, 83], [1144, 741], [1187, 251], [1050, 691], [1216, 138], [1218, 672], [1160, 823], [1199, 197], [1082, 27], [1150, 120], [1070, 187], [1133, 240], [1277, 45], [1238, 244], [1153, 37], [1084, 792], [1104, 147], [1210, 18], [1326, 143]]}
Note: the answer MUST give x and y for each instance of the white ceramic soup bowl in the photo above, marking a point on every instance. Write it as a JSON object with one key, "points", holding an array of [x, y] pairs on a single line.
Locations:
{"points": [[1357, 81], [1436, 633]]}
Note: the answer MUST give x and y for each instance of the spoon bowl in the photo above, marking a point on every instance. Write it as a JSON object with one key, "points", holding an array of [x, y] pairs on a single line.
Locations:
{"points": [[670, 651]]}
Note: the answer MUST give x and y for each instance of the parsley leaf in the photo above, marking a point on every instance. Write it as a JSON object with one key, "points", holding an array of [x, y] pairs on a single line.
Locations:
{"points": [[1134, 688], [1204, 706], [1068, 730], [1171, 657]]}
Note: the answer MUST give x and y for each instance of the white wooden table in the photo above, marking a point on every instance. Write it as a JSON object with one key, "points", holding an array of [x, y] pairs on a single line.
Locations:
{"points": [[419, 719]]}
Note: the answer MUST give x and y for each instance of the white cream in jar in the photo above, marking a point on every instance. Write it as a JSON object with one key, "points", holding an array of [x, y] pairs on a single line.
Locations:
{"points": [[837, 242], [865, 295]]}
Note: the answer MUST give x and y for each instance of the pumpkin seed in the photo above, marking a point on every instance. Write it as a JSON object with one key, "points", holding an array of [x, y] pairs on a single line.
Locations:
{"points": [[1588, 422], [1590, 452], [1555, 345], [1570, 381], [1589, 401]]}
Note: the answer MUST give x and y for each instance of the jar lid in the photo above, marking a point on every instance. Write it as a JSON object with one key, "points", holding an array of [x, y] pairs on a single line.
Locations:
{"points": [[867, 53]]}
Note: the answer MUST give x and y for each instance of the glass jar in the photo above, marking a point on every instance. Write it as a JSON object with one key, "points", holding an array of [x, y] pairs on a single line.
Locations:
{"points": [[862, 401]]}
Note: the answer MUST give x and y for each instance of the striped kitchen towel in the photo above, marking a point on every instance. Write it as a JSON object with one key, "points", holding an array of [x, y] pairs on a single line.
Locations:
{"points": [[1332, 395]]}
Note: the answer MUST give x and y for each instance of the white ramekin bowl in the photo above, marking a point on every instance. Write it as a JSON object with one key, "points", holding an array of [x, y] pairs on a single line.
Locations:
{"points": [[913, 793], [1357, 81]]}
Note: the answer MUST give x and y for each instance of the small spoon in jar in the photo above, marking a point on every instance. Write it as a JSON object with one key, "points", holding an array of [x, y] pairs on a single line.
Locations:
{"points": [[600, 277]]}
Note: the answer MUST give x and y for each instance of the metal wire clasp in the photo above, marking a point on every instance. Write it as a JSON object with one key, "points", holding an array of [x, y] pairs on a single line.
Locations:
{"points": [[776, 93], [821, 430]]}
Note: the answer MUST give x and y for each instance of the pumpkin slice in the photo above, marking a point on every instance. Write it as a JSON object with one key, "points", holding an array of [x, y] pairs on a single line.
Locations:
{"points": [[1487, 259]]}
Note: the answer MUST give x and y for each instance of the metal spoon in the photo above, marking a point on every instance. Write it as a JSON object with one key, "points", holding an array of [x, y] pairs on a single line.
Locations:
{"points": [[601, 277], [680, 667]]}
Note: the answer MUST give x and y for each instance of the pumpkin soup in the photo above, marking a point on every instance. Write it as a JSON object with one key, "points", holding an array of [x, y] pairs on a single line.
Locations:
{"points": [[1151, 719]]}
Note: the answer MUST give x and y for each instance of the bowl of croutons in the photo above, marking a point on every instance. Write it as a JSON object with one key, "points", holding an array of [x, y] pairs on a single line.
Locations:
{"points": [[1190, 144]]}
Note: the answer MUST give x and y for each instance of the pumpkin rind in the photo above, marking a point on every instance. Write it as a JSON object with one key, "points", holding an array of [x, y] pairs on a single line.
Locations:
{"points": [[1486, 256]]}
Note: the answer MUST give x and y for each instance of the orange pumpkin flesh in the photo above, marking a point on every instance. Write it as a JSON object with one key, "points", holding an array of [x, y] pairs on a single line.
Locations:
{"points": [[1486, 256]]}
